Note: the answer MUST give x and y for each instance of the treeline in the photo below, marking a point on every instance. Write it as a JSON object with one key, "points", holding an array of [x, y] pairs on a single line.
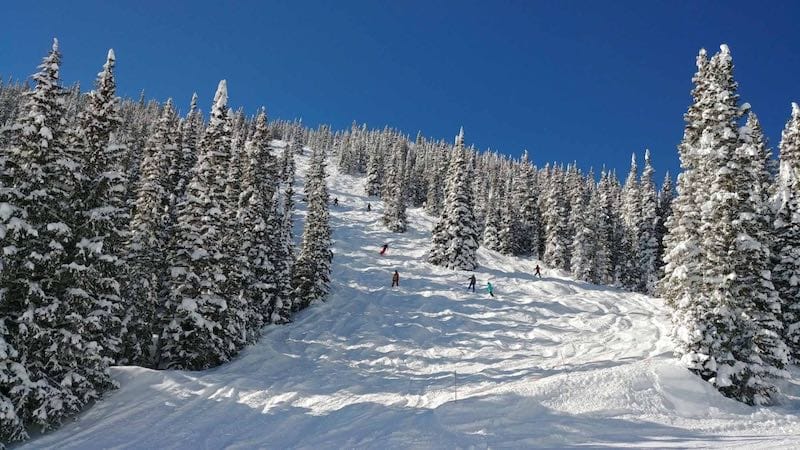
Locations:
{"points": [[724, 253], [131, 235], [601, 231]]}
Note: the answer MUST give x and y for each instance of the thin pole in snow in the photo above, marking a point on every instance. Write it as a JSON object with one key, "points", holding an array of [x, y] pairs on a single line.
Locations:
{"points": [[455, 385]]}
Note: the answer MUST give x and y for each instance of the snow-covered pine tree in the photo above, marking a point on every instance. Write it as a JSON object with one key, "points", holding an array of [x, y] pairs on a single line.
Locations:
{"points": [[649, 243], [630, 271], [556, 223], [148, 237], [509, 229], [260, 235], [285, 254], [786, 204], [455, 239], [374, 172], [394, 212], [197, 306], [526, 202], [582, 256], [680, 284], [491, 232], [50, 368], [664, 211], [727, 326], [181, 168], [313, 267], [102, 217], [752, 228]]}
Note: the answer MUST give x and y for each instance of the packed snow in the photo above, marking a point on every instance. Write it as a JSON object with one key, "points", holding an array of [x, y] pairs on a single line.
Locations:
{"points": [[547, 362]]}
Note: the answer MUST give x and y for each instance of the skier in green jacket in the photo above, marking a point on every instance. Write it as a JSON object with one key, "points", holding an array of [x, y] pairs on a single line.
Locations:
{"points": [[490, 288]]}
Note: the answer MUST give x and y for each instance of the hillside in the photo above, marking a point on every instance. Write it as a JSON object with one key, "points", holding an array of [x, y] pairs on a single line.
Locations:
{"points": [[547, 362]]}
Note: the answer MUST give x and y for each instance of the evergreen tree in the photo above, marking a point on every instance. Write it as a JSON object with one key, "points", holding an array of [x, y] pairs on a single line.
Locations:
{"points": [[556, 225], [195, 337], [630, 271], [582, 256], [102, 217], [50, 369], [313, 267], [394, 213], [260, 236], [491, 232], [455, 240], [285, 255], [727, 325], [664, 212], [649, 242], [147, 241], [525, 199], [786, 203]]}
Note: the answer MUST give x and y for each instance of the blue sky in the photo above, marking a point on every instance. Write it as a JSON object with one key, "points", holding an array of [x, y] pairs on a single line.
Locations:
{"points": [[589, 81]]}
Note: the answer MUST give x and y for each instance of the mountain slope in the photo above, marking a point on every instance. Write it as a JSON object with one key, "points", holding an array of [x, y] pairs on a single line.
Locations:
{"points": [[546, 362]]}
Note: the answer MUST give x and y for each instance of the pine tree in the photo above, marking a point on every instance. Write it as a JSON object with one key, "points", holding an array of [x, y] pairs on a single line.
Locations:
{"points": [[630, 271], [786, 203], [455, 240], [509, 231], [102, 218], [374, 172], [648, 243], [147, 241], [726, 320], [260, 236], [50, 369], [526, 201], [556, 253], [195, 336], [313, 267], [394, 213], [682, 275], [491, 232], [583, 254], [664, 212], [285, 255]]}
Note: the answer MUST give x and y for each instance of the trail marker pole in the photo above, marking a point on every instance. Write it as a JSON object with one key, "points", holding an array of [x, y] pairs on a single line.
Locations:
{"points": [[455, 386]]}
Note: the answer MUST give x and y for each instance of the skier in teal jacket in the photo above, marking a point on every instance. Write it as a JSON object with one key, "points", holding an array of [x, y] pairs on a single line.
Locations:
{"points": [[490, 288]]}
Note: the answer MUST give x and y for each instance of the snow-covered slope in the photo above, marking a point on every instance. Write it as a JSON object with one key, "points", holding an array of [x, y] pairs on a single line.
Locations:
{"points": [[547, 362]]}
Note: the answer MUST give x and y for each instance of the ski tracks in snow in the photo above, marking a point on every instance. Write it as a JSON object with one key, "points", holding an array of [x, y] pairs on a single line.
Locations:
{"points": [[547, 362]]}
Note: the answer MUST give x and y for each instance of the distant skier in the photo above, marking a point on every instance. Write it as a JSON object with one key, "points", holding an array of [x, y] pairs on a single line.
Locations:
{"points": [[396, 279], [538, 273], [385, 247], [335, 201], [490, 288], [369, 207], [472, 281]]}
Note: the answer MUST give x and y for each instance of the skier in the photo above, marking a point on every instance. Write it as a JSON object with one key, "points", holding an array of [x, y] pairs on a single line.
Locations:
{"points": [[369, 207], [472, 282], [385, 247], [537, 273], [396, 279], [335, 201], [490, 288]]}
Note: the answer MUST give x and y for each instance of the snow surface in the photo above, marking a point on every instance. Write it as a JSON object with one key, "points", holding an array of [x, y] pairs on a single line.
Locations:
{"points": [[545, 363]]}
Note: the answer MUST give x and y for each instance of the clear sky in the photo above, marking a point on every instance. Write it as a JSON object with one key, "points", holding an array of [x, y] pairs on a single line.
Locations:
{"points": [[590, 81]]}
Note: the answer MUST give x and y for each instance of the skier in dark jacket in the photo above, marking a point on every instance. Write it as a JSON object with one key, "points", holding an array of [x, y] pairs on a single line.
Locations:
{"points": [[369, 207], [385, 247], [335, 202], [537, 273], [396, 279], [472, 281]]}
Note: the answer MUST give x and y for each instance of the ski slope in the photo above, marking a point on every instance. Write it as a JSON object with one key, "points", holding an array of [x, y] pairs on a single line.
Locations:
{"points": [[545, 363]]}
